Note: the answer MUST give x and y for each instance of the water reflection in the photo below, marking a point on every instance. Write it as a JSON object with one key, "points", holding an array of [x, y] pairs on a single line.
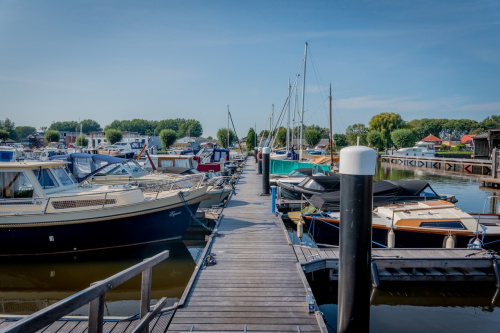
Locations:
{"points": [[405, 307], [30, 284]]}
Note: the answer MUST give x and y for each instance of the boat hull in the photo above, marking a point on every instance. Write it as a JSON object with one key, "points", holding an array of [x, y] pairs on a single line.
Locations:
{"points": [[41, 234]]}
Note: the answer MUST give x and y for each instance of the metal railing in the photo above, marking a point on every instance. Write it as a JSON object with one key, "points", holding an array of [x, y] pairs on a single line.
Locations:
{"points": [[95, 295]]}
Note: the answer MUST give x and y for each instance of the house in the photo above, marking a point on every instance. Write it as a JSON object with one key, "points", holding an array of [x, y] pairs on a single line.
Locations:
{"points": [[99, 138], [432, 139], [484, 143], [323, 144], [451, 141], [467, 141]]}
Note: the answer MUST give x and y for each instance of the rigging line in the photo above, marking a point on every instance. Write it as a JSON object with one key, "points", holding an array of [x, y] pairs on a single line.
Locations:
{"points": [[343, 126], [318, 79]]}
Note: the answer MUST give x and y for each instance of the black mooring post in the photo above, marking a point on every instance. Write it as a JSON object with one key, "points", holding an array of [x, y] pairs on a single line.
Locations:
{"points": [[357, 167], [255, 152], [259, 168], [266, 153]]}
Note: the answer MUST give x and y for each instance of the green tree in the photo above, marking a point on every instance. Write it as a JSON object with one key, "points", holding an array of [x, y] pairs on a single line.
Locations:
{"points": [[10, 127], [52, 136], [89, 125], [222, 137], [81, 141], [281, 137], [355, 131], [167, 137], [374, 139], [65, 126], [24, 131], [340, 140], [251, 139], [4, 135], [385, 123], [113, 135], [210, 137], [264, 133], [403, 137], [313, 136], [428, 126], [190, 127], [413, 124]]}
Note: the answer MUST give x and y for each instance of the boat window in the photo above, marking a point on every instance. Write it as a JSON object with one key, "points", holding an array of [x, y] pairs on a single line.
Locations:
{"points": [[15, 184], [63, 176], [428, 192], [82, 167], [45, 178], [443, 225], [183, 163], [166, 163], [134, 168], [313, 185]]}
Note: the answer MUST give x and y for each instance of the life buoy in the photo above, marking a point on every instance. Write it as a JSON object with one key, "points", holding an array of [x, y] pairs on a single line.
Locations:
{"points": [[259, 156]]}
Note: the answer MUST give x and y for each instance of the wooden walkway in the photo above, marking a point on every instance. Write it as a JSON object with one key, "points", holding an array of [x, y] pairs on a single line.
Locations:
{"points": [[256, 284], [455, 265], [80, 325]]}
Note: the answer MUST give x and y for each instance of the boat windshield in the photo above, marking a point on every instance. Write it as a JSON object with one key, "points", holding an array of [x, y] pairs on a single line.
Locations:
{"points": [[64, 176], [45, 178], [15, 184], [428, 192], [183, 163], [313, 185], [134, 169]]}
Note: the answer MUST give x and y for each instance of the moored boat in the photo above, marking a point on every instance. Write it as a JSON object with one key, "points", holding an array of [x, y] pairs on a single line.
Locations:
{"points": [[424, 224], [44, 210]]}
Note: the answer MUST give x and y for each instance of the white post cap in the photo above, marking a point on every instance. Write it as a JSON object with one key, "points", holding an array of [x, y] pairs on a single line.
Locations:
{"points": [[266, 150], [260, 148], [357, 160]]}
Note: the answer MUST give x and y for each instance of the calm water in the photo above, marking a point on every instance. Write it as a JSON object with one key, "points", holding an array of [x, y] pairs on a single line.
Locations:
{"points": [[426, 307], [28, 285]]}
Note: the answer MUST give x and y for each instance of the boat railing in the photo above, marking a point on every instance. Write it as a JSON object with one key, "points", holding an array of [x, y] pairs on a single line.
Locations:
{"points": [[94, 200], [180, 183], [94, 296]]}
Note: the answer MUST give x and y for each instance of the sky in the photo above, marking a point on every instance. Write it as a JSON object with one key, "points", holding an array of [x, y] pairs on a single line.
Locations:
{"points": [[64, 60]]}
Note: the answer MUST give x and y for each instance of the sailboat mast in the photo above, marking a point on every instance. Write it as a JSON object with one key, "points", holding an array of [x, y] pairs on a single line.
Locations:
{"points": [[228, 127], [303, 95], [331, 134], [288, 122]]}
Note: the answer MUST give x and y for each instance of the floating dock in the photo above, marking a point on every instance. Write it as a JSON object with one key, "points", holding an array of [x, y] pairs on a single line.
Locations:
{"points": [[412, 265]]}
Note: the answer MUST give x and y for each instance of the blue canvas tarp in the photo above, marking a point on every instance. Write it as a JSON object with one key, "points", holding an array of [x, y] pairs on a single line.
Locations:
{"points": [[283, 167]]}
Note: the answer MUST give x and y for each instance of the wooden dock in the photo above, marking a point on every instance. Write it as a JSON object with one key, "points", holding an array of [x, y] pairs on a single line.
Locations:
{"points": [[256, 283], [453, 265]]}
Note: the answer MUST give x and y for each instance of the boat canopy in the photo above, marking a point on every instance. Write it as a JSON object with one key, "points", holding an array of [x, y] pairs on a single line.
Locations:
{"points": [[385, 192], [83, 165], [323, 183]]}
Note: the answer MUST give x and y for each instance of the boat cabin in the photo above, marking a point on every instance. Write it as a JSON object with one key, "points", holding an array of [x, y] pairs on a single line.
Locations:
{"points": [[34, 179]]}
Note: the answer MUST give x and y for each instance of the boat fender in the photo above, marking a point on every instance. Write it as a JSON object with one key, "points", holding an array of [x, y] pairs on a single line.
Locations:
{"points": [[391, 239], [259, 156], [450, 242], [300, 229]]}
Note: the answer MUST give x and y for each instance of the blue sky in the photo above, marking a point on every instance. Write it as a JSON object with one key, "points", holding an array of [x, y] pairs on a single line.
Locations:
{"points": [[106, 60]]}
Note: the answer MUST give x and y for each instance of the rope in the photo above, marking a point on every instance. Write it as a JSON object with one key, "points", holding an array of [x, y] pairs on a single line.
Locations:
{"points": [[313, 224], [181, 195]]}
